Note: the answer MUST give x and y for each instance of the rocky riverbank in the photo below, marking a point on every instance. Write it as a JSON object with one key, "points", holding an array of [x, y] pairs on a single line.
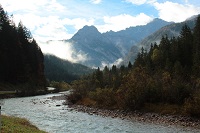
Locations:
{"points": [[154, 118], [167, 120]]}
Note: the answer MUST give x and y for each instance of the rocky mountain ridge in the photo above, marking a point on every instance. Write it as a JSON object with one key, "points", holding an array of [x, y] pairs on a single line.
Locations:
{"points": [[105, 48]]}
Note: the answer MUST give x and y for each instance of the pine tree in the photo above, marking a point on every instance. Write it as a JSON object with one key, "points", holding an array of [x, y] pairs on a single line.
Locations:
{"points": [[99, 78], [129, 65], [186, 44], [20, 56], [196, 48], [9, 49], [164, 48]]}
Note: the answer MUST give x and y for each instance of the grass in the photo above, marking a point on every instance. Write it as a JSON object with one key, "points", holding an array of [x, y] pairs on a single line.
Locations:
{"points": [[17, 125], [7, 92]]}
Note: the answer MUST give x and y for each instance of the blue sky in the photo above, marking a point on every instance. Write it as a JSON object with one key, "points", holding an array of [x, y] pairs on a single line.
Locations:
{"points": [[61, 19]]}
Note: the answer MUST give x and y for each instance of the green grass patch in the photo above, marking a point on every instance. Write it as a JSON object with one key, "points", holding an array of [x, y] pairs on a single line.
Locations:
{"points": [[7, 92], [18, 125]]}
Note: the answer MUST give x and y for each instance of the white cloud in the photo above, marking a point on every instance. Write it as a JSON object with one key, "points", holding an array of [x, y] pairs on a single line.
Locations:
{"points": [[63, 50], [41, 17], [109, 65], [55, 6], [51, 31], [140, 2], [33, 6], [170, 11], [44, 28], [51, 27], [31, 21], [78, 23], [95, 1], [137, 2], [151, 1], [120, 22], [15, 5]]}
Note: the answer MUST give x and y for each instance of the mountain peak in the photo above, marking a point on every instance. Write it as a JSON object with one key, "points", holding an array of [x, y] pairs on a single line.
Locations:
{"points": [[92, 27], [159, 21], [87, 32]]}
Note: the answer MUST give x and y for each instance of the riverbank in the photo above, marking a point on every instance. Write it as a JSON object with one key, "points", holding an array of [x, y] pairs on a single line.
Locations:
{"points": [[154, 118], [14, 94], [157, 114], [7, 94], [48, 113], [18, 125]]}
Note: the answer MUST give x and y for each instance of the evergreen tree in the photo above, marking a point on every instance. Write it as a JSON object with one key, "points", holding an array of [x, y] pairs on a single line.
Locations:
{"points": [[164, 49], [186, 43], [99, 78], [196, 48], [129, 65], [21, 58], [106, 76], [9, 49]]}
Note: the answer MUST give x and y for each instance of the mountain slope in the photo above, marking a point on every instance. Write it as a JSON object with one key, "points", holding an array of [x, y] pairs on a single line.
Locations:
{"points": [[125, 39], [169, 30], [57, 69], [106, 48], [98, 48]]}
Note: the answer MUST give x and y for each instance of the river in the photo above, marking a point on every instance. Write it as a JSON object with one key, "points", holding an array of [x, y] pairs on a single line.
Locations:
{"points": [[48, 116]]}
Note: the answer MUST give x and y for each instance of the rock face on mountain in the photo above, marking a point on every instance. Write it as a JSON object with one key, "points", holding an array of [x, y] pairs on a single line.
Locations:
{"points": [[97, 47], [106, 48], [171, 30]]}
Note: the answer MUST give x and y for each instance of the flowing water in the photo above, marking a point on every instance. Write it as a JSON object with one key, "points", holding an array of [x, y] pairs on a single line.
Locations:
{"points": [[48, 116]]}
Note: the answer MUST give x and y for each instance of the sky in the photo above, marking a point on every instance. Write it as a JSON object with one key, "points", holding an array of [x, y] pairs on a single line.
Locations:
{"points": [[61, 19]]}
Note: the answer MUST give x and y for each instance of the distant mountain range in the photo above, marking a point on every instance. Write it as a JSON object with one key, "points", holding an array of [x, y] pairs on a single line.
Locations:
{"points": [[171, 30], [125, 39], [106, 48]]}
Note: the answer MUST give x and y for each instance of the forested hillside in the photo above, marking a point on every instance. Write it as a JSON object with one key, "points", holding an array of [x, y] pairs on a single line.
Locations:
{"points": [[169, 74], [57, 69], [21, 58]]}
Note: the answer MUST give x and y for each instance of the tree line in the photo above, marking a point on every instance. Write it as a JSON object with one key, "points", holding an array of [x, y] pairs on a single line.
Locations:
{"points": [[168, 73], [20, 56]]}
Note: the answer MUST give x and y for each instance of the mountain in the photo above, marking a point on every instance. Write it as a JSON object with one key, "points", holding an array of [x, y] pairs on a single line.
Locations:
{"points": [[172, 30], [58, 69], [106, 48], [125, 39], [97, 47]]}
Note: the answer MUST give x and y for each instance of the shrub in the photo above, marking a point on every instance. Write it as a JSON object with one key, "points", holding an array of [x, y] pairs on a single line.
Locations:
{"points": [[192, 105], [134, 89], [103, 97]]}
